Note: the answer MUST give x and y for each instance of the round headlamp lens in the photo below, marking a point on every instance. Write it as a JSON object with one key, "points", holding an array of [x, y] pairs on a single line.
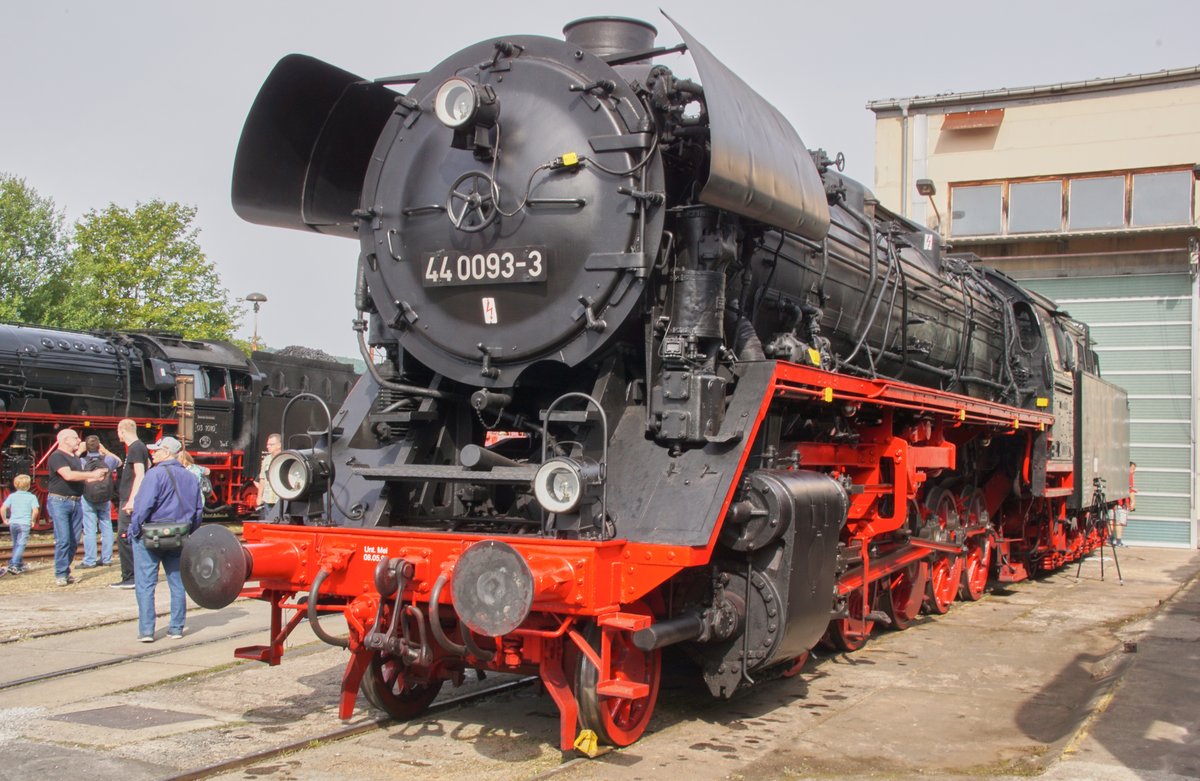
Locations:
{"points": [[558, 486], [289, 475], [297, 476], [564, 486], [456, 103]]}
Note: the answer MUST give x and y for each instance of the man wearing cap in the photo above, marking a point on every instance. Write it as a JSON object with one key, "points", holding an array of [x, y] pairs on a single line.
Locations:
{"points": [[169, 493]]}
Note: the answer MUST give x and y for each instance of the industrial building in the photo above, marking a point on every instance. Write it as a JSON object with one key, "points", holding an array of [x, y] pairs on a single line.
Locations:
{"points": [[1086, 192]]}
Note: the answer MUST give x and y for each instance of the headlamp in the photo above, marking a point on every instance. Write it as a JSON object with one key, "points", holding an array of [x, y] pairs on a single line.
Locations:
{"points": [[294, 474], [462, 104], [561, 484]]}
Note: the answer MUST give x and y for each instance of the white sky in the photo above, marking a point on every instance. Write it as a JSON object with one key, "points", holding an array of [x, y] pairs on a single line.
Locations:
{"points": [[125, 101]]}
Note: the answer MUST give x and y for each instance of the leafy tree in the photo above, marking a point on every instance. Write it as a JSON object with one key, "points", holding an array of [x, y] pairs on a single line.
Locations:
{"points": [[32, 252], [144, 269]]}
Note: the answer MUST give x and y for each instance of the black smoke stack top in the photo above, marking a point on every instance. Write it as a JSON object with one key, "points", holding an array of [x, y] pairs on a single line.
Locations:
{"points": [[604, 36]]}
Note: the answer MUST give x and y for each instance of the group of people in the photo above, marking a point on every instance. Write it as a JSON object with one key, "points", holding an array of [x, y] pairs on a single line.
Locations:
{"points": [[159, 484]]}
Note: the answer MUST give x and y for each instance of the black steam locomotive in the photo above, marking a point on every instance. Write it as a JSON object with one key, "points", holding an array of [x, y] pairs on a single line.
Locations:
{"points": [[653, 373], [219, 402]]}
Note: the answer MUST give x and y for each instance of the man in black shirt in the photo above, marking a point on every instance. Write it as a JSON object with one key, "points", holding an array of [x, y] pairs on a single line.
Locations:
{"points": [[62, 502], [137, 461]]}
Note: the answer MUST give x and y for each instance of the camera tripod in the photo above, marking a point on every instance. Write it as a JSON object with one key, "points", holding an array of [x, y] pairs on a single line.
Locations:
{"points": [[1101, 514]]}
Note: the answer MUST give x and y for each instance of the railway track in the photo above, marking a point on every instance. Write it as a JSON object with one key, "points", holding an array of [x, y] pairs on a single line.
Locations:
{"points": [[332, 736], [41, 545], [97, 665], [37, 551]]}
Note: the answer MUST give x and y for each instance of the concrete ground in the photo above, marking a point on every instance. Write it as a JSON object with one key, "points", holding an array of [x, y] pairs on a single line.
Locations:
{"points": [[1056, 678], [1059, 678]]}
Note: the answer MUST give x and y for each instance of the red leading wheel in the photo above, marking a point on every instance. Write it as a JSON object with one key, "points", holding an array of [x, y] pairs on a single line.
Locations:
{"points": [[618, 721], [387, 686]]}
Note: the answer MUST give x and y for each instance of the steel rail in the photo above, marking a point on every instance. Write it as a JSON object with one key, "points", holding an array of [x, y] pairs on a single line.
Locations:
{"points": [[83, 668], [344, 733]]}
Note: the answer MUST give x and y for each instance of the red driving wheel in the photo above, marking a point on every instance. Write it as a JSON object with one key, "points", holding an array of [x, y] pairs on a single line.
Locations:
{"points": [[906, 593], [977, 562], [852, 633], [944, 569]]}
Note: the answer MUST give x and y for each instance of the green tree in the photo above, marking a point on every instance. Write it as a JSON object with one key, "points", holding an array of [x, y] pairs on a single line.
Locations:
{"points": [[32, 253], [144, 269]]}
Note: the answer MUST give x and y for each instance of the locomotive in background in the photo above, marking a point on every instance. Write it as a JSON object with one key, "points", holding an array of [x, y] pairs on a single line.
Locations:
{"points": [[208, 393], [746, 408]]}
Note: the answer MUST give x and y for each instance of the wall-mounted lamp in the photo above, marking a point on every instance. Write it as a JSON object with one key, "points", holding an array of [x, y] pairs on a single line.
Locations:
{"points": [[927, 188]]}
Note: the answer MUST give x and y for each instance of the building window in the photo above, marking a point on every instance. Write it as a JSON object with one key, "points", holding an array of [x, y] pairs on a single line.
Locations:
{"points": [[1035, 207], [1162, 199], [1096, 203], [976, 210], [1137, 199]]}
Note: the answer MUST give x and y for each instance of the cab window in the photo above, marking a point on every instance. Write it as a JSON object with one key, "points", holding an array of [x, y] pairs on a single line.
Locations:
{"points": [[1029, 331]]}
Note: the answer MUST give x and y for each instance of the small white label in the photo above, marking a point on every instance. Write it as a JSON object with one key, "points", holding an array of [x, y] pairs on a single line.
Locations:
{"points": [[928, 242], [489, 311], [374, 553]]}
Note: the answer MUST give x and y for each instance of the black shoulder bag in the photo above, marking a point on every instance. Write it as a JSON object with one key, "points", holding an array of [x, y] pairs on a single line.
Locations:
{"points": [[167, 537]]}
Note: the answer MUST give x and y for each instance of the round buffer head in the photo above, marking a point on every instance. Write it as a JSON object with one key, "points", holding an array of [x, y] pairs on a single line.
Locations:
{"points": [[214, 566], [493, 588]]}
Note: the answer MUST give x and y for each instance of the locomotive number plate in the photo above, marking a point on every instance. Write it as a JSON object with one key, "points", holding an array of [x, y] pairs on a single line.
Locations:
{"points": [[500, 266]]}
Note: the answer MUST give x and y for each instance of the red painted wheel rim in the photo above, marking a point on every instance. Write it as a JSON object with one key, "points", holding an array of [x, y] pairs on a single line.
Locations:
{"points": [[625, 720], [851, 634], [617, 721], [796, 666], [906, 591], [944, 569], [943, 583], [389, 688], [975, 567]]}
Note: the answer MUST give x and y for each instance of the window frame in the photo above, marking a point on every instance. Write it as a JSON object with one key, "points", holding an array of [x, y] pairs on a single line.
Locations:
{"points": [[1065, 181]]}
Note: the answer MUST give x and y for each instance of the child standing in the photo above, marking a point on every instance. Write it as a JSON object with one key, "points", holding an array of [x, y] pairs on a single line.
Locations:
{"points": [[19, 511]]}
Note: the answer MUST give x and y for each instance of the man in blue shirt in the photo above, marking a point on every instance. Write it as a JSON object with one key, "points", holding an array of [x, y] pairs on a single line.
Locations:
{"points": [[169, 493]]}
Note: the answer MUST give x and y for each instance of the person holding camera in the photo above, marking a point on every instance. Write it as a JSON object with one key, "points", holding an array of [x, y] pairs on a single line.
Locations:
{"points": [[168, 507]]}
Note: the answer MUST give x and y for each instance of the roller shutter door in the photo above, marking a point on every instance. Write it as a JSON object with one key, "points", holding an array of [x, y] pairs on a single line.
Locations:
{"points": [[1143, 326]]}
